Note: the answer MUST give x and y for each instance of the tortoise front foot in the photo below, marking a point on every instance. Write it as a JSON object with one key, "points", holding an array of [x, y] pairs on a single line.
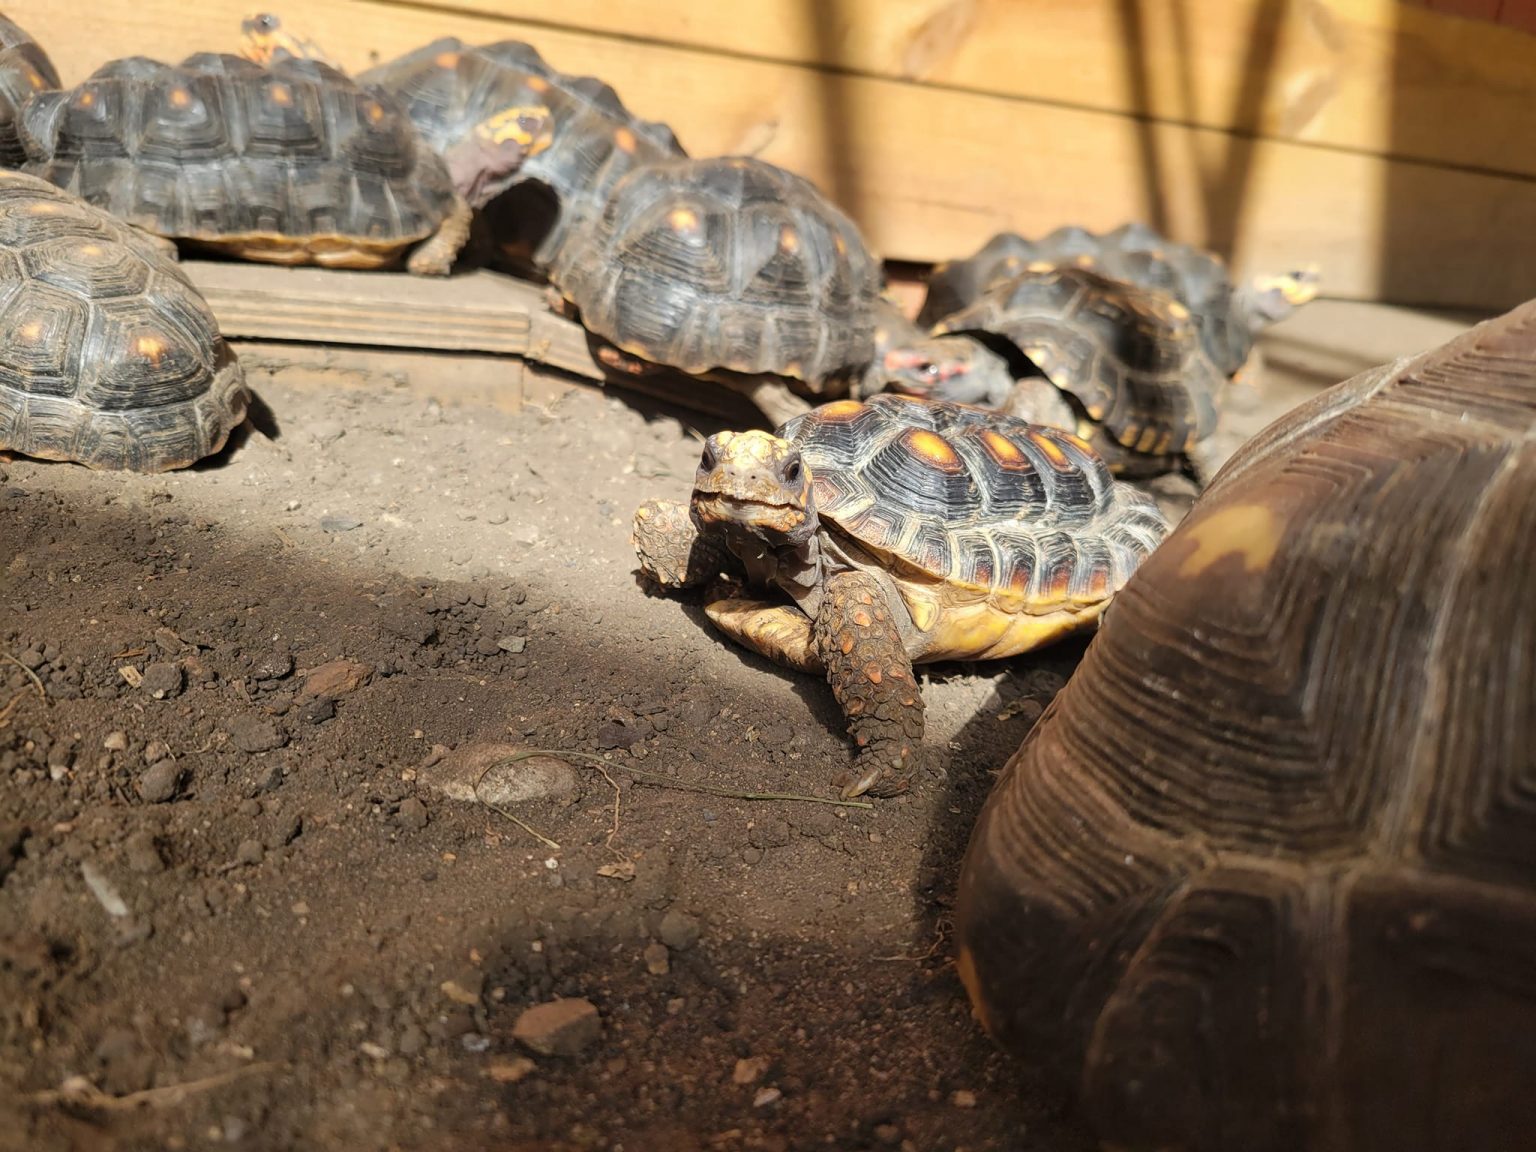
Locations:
{"points": [[871, 676], [670, 549]]}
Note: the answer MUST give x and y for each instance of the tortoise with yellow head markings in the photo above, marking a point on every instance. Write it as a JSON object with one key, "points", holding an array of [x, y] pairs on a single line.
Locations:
{"points": [[25, 70], [1231, 314], [108, 355], [729, 269], [901, 532], [292, 164], [588, 138], [1263, 877]]}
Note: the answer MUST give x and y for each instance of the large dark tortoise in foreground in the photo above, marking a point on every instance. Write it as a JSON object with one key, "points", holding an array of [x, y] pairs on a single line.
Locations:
{"points": [[1263, 877]]}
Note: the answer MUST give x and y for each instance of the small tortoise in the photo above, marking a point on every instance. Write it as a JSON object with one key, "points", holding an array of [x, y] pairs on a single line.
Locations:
{"points": [[292, 164], [108, 355], [727, 268], [453, 91], [1263, 877], [25, 70], [1230, 315], [1122, 366], [902, 531]]}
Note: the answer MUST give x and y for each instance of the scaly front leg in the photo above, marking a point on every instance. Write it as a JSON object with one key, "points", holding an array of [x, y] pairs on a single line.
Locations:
{"points": [[871, 676], [670, 549]]}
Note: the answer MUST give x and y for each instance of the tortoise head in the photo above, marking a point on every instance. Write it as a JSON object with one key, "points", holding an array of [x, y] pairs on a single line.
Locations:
{"points": [[757, 484], [1272, 298], [497, 147], [264, 42], [956, 369]]}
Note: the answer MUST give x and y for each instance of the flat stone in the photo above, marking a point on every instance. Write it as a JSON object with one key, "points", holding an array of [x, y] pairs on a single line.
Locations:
{"points": [[162, 680], [679, 931], [336, 678], [253, 734], [487, 774], [559, 1028], [159, 782]]}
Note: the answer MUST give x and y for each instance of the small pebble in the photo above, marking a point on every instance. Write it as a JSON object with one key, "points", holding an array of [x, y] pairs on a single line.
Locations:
{"points": [[115, 741], [158, 783], [679, 931], [162, 680], [657, 959], [512, 644], [253, 734], [412, 814], [510, 1071], [336, 522], [31, 659], [156, 751], [749, 1070], [142, 854], [962, 1098], [766, 1096], [250, 852], [560, 1027]]}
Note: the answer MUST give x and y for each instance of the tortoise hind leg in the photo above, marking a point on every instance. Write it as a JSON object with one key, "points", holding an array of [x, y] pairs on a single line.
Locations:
{"points": [[435, 255], [871, 676]]}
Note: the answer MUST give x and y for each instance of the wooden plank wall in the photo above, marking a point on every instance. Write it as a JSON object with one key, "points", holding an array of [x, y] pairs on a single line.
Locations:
{"points": [[1390, 143]]}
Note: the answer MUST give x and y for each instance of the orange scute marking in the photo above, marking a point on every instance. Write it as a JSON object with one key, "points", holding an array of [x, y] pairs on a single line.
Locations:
{"points": [[149, 346], [1052, 450], [31, 331], [789, 240], [85, 99], [44, 208], [845, 642], [862, 619], [375, 111], [872, 673], [624, 140], [180, 98], [446, 59], [538, 83], [90, 250], [1002, 449], [840, 410], [683, 219], [933, 448], [281, 95]]}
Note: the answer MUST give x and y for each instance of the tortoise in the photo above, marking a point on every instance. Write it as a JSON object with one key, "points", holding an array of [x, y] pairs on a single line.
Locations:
{"points": [[292, 164], [589, 139], [1230, 314], [25, 70], [902, 532], [108, 355], [1121, 365], [731, 269], [1264, 874]]}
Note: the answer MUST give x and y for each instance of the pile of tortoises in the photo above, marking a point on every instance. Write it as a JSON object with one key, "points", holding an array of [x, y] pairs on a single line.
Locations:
{"points": [[1263, 874]]}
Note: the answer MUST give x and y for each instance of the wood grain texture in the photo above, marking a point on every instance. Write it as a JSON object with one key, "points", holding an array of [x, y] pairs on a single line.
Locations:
{"points": [[1274, 846], [931, 172]]}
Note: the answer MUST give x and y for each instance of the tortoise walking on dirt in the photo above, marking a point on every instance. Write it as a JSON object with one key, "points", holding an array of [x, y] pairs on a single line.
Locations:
{"points": [[108, 355], [1264, 875], [293, 164], [902, 532]]}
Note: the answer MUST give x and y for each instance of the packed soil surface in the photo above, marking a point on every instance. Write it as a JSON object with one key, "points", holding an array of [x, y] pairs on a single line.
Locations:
{"points": [[324, 761]]}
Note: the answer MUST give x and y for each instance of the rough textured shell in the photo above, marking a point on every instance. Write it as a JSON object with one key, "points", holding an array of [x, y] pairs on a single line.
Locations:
{"points": [[219, 147], [447, 87], [25, 70], [1199, 279], [725, 263], [1130, 356], [108, 355], [975, 498], [1267, 867]]}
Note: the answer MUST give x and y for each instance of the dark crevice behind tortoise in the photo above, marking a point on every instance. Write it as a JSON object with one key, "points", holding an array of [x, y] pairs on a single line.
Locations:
{"points": [[1230, 314], [1264, 874], [295, 164], [25, 70], [1122, 366], [108, 355], [456, 92], [898, 532], [728, 268]]}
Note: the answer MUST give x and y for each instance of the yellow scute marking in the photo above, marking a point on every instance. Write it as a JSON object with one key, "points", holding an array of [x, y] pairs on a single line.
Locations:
{"points": [[932, 447], [1249, 531], [683, 219], [180, 98], [1002, 448], [281, 95], [840, 410], [446, 60], [1052, 451], [624, 140], [538, 84], [149, 346]]}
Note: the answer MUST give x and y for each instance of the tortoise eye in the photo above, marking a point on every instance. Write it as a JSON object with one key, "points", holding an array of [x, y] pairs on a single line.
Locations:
{"points": [[708, 460], [527, 123], [792, 471], [930, 370]]}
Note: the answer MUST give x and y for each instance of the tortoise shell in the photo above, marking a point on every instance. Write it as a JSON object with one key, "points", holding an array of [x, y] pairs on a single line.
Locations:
{"points": [[448, 87], [726, 263], [1197, 278], [992, 507], [1264, 875], [1130, 357], [290, 163], [25, 70], [110, 357]]}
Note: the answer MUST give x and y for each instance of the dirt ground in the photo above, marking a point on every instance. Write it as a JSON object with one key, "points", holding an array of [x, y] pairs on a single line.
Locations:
{"points": [[245, 903]]}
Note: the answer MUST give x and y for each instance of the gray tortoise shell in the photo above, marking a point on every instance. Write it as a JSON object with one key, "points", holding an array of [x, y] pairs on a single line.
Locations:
{"points": [[975, 497], [108, 355], [725, 263], [219, 147], [25, 70]]}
